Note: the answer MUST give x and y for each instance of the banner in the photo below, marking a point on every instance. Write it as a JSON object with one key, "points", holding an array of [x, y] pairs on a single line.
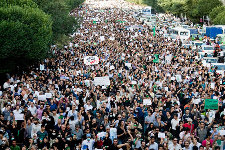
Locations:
{"points": [[156, 60], [102, 81], [91, 60], [48, 95], [147, 102], [211, 104]]}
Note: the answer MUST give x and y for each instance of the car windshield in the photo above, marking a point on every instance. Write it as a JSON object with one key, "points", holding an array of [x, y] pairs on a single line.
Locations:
{"points": [[211, 60], [220, 67], [187, 46], [198, 44], [222, 47], [208, 48]]}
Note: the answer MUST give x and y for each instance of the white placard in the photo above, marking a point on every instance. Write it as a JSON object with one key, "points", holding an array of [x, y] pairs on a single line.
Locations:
{"points": [[112, 38], [36, 93], [101, 135], [91, 60], [161, 135], [42, 67], [19, 116], [111, 68], [222, 132], [212, 85], [147, 102], [41, 97], [87, 82], [166, 89], [178, 78], [102, 38], [113, 133], [196, 101], [128, 65], [172, 78], [101, 81], [48, 95], [133, 82]]}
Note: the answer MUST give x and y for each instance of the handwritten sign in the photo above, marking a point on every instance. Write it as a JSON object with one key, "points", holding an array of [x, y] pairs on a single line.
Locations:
{"points": [[161, 135], [128, 65], [19, 116], [48, 95], [222, 132], [211, 104], [101, 81], [91, 60], [41, 97], [147, 102], [102, 38], [42, 67]]}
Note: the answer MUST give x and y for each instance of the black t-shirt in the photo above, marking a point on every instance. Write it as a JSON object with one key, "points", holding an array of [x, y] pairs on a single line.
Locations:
{"points": [[113, 147]]}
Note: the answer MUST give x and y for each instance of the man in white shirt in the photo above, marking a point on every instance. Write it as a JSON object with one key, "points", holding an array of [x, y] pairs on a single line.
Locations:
{"points": [[73, 112], [174, 145], [32, 109], [35, 127], [153, 144], [17, 110], [174, 123], [187, 146], [88, 143], [88, 106]]}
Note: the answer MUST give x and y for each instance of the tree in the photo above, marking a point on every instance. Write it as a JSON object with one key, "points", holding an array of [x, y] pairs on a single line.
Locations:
{"points": [[206, 6], [63, 23], [73, 3], [220, 19], [215, 12], [25, 35], [21, 3]]}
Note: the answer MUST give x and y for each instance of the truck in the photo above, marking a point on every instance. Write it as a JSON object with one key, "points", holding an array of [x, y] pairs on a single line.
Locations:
{"points": [[213, 31]]}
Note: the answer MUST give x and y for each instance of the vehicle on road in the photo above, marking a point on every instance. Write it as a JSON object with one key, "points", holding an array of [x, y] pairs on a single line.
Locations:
{"points": [[181, 33]]}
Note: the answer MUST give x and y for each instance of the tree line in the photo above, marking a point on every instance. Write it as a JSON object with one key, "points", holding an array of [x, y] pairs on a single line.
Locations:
{"points": [[29, 27], [193, 9]]}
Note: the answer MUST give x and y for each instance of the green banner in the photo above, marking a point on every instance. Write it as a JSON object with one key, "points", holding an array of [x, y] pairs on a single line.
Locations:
{"points": [[153, 31], [156, 60], [211, 104]]}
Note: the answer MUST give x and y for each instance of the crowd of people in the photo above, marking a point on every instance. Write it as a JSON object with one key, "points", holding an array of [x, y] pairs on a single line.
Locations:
{"points": [[155, 100]]}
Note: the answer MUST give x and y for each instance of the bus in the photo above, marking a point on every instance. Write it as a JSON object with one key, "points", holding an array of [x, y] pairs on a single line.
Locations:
{"points": [[148, 11], [180, 33]]}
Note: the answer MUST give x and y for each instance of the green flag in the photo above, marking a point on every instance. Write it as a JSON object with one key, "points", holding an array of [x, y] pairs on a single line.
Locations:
{"points": [[211, 104], [156, 60], [153, 31], [94, 22]]}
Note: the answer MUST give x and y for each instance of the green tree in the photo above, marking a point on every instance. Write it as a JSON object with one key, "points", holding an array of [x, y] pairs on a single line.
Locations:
{"points": [[220, 19], [63, 23], [206, 6], [216, 11], [74, 3], [21, 3], [25, 35]]}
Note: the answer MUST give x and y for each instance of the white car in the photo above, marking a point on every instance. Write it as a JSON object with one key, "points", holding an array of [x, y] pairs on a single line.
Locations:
{"points": [[187, 45], [207, 61], [207, 49], [220, 68], [202, 54]]}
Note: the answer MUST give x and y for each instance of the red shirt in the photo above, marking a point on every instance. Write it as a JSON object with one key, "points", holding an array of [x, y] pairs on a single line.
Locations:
{"points": [[186, 125]]}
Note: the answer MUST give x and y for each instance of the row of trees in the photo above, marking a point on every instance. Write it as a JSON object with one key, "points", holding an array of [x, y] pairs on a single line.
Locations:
{"points": [[29, 27], [193, 9]]}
